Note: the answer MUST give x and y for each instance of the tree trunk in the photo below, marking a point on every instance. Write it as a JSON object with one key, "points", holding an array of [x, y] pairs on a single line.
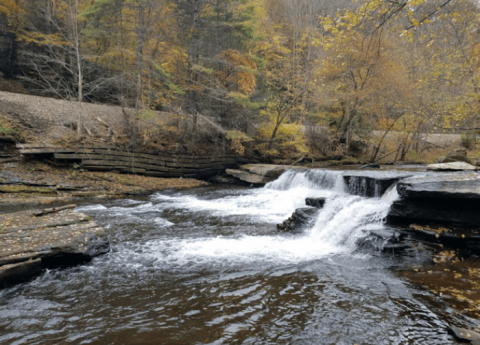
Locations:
{"points": [[140, 38], [76, 42]]}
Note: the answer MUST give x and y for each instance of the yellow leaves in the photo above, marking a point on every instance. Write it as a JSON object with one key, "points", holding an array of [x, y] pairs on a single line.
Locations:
{"points": [[10, 8], [42, 39], [238, 69]]}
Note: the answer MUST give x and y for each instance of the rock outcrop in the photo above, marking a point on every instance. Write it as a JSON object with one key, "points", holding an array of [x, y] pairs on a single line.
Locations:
{"points": [[454, 166], [457, 155], [258, 174], [299, 220], [315, 202], [444, 199], [33, 240], [371, 166], [372, 183]]}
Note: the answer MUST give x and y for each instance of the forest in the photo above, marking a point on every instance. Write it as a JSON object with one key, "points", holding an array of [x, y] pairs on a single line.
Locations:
{"points": [[297, 77]]}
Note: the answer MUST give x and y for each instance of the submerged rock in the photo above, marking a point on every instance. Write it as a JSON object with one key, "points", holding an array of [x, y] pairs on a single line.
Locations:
{"points": [[32, 240]]}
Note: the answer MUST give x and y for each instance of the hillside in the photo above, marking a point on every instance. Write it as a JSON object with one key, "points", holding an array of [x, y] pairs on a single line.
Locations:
{"points": [[52, 121]]}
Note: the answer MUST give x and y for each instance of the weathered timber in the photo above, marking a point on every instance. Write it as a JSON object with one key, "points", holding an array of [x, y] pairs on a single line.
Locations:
{"points": [[182, 165], [163, 174], [99, 168], [76, 156], [132, 170], [98, 146], [46, 151], [123, 164], [111, 158], [98, 157], [35, 146]]}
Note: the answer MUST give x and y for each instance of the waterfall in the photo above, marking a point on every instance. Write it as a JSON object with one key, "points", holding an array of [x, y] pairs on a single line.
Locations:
{"points": [[343, 220]]}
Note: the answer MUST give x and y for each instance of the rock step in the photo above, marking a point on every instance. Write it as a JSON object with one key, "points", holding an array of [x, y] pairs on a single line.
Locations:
{"points": [[299, 220], [451, 199], [32, 240], [372, 183]]}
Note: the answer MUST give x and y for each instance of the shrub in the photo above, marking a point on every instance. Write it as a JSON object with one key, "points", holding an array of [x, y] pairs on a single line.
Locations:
{"points": [[468, 139]]}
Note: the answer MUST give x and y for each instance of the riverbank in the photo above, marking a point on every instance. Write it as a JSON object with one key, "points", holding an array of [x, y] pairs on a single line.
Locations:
{"points": [[36, 183]]}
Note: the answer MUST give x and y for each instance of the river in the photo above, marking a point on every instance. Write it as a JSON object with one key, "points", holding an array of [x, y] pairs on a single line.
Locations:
{"points": [[207, 266]]}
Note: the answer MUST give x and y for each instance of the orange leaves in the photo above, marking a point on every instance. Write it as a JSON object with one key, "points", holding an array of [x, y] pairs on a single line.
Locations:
{"points": [[239, 70]]}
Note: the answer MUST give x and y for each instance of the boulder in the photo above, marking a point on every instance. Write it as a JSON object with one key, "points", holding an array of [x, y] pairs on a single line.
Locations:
{"points": [[371, 166], [245, 176], [299, 220], [454, 166], [457, 155], [32, 240], [459, 151], [465, 335], [315, 202], [270, 171]]}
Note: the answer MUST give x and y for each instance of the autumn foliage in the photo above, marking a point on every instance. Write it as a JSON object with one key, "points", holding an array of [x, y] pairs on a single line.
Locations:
{"points": [[280, 72]]}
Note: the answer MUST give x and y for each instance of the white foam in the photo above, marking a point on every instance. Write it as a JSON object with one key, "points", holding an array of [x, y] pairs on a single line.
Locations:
{"points": [[90, 208], [162, 222], [231, 250], [265, 205], [343, 219]]}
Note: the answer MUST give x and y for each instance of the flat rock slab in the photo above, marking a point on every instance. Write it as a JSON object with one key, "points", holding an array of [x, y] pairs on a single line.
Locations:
{"points": [[29, 243], [259, 174], [454, 166], [438, 198], [372, 183], [268, 170], [445, 186], [245, 176]]}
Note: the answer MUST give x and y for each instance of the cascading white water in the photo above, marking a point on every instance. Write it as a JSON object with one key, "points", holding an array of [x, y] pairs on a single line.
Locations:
{"points": [[343, 219]]}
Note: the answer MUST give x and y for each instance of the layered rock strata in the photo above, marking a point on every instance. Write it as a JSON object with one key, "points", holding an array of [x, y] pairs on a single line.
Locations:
{"points": [[33, 240]]}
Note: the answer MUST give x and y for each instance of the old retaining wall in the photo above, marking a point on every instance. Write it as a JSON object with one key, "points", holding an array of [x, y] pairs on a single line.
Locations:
{"points": [[149, 163]]}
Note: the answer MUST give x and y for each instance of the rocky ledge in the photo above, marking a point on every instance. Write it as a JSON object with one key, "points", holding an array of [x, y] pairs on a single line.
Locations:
{"points": [[446, 199], [302, 217], [255, 174], [33, 240]]}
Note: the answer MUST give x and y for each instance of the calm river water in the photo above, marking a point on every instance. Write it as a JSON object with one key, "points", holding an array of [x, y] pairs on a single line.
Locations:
{"points": [[207, 266]]}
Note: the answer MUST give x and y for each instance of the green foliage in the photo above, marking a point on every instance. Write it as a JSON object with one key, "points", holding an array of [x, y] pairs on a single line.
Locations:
{"points": [[9, 130], [177, 89], [469, 139], [236, 134], [244, 100], [146, 114], [288, 136]]}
